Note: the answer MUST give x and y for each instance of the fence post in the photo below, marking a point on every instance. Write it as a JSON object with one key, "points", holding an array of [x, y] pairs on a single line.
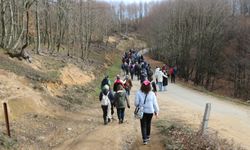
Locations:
{"points": [[6, 118], [205, 118]]}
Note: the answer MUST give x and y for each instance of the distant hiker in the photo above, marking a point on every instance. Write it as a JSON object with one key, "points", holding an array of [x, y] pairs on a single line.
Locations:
{"points": [[172, 74], [117, 82], [137, 70], [157, 69], [106, 97], [175, 72], [159, 79], [165, 80], [132, 70], [126, 67], [120, 100], [149, 71], [128, 85], [147, 99], [153, 85], [105, 81], [143, 75]]}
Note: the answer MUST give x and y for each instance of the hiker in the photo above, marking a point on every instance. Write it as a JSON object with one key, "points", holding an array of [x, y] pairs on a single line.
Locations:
{"points": [[153, 84], [165, 80], [157, 69], [137, 70], [172, 75], [143, 75], [159, 79], [128, 85], [117, 82], [147, 99], [149, 71], [120, 100], [132, 70], [106, 97], [175, 72], [106, 81]]}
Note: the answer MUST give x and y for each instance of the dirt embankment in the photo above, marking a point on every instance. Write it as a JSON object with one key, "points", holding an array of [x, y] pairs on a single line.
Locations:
{"points": [[47, 98]]}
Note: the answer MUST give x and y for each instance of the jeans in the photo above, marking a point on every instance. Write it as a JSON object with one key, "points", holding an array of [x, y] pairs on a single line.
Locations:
{"points": [[105, 113], [160, 86], [121, 113], [146, 126]]}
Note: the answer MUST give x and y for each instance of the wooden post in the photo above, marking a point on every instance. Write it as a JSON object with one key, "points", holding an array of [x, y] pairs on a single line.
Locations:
{"points": [[6, 118], [205, 118]]}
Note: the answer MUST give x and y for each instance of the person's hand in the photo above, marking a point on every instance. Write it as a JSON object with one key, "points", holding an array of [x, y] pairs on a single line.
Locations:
{"points": [[156, 114]]}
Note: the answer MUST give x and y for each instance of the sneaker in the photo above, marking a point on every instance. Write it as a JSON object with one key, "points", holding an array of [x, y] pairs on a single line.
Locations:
{"points": [[109, 120], [148, 139], [145, 143]]}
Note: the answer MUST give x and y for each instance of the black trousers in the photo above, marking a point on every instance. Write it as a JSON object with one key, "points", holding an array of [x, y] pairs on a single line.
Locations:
{"points": [[173, 78], [146, 126], [105, 113]]}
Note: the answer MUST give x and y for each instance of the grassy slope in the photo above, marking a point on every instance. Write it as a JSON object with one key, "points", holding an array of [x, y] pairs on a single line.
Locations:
{"points": [[178, 136]]}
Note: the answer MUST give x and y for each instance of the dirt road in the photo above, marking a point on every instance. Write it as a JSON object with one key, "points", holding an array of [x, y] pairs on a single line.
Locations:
{"points": [[231, 120], [113, 136]]}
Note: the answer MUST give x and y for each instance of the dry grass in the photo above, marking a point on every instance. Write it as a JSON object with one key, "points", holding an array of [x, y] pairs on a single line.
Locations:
{"points": [[181, 137]]}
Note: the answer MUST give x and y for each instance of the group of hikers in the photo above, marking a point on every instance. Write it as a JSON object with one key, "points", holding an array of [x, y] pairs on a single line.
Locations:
{"points": [[117, 95]]}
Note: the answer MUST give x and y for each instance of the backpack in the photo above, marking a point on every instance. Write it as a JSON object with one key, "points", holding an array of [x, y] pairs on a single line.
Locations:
{"points": [[105, 99]]}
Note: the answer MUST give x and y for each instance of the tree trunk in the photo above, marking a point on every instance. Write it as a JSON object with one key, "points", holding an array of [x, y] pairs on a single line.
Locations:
{"points": [[12, 25], [37, 30], [3, 23]]}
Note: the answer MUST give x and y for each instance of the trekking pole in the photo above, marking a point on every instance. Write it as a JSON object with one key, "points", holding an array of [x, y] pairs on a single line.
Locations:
{"points": [[6, 118]]}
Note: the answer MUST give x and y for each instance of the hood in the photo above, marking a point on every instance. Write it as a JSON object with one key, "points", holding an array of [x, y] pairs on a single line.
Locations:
{"points": [[120, 93]]}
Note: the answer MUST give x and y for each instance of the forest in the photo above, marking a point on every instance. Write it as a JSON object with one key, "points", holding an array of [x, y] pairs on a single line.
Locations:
{"points": [[207, 39]]}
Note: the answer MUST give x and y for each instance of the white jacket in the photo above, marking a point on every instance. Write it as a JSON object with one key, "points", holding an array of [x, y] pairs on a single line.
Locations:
{"points": [[160, 76], [151, 105]]}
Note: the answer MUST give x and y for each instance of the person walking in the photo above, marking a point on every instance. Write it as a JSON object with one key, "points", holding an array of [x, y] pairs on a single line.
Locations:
{"points": [[106, 97], [153, 85], [105, 81], [117, 82], [159, 79], [172, 75], [120, 100], [165, 80], [146, 98], [128, 85]]}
